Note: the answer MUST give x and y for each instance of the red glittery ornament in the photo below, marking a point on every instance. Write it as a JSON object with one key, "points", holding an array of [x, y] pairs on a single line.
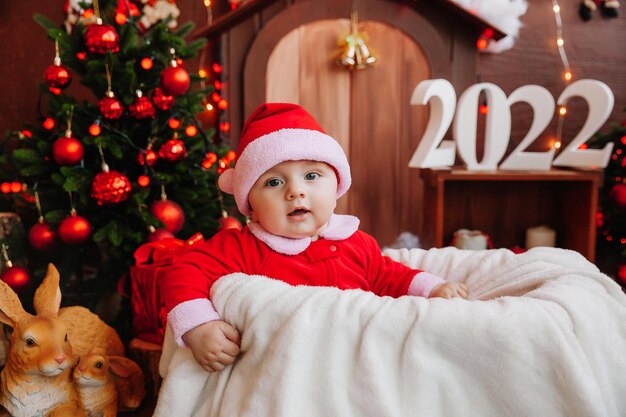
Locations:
{"points": [[41, 236], [175, 80], [67, 150], [142, 108], [161, 100], [74, 229], [169, 213], [16, 277], [618, 195], [110, 107], [57, 76], [173, 150], [110, 187], [100, 39]]}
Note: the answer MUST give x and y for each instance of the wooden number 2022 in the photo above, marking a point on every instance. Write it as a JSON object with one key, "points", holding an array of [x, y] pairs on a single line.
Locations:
{"points": [[433, 151]]}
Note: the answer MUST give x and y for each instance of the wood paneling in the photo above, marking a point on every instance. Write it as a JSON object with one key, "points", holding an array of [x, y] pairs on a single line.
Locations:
{"points": [[367, 111]]}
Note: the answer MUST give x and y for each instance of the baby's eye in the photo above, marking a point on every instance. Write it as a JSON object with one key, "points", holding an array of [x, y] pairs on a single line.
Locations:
{"points": [[311, 176], [30, 342], [274, 182]]}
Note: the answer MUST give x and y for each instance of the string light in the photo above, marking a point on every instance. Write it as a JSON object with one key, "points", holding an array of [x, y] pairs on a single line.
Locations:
{"points": [[560, 42]]}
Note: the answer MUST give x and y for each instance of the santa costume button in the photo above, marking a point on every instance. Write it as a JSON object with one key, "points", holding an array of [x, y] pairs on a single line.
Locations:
{"points": [[333, 248]]}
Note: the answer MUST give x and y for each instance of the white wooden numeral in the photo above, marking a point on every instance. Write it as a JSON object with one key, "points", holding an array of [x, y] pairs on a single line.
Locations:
{"points": [[433, 151], [543, 106], [497, 126], [600, 99]]}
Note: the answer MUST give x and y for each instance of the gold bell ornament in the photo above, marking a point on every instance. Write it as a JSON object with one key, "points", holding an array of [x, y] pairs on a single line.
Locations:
{"points": [[355, 54]]}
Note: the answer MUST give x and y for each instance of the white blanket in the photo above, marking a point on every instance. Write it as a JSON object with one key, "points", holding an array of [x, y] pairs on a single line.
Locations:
{"points": [[543, 334]]}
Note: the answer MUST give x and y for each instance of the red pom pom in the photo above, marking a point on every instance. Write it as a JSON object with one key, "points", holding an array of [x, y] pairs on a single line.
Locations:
{"points": [[161, 100], [142, 108], [110, 107], [169, 213], [67, 151], [173, 150], [175, 81], [110, 188]]}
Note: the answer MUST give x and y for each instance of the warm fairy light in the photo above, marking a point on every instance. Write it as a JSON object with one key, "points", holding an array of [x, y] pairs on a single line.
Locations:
{"points": [[218, 85], [5, 187], [567, 75], [557, 144], [619, 151], [560, 42], [206, 164], [191, 130], [211, 156], [623, 140], [562, 110], [16, 187], [48, 123], [202, 73], [207, 3], [174, 123], [481, 43], [483, 109], [146, 63], [81, 55], [556, 8], [88, 14], [222, 104], [95, 129], [217, 68], [224, 127], [230, 156], [209, 107], [143, 180], [215, 97], [27, 133], [120, 18]]}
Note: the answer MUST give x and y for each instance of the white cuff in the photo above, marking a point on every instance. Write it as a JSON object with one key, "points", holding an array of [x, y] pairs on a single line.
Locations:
{"points": [[189, 315], [423, 283]]}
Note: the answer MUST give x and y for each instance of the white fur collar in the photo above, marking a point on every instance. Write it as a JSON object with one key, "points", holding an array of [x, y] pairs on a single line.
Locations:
{"points": [[339, 227]]}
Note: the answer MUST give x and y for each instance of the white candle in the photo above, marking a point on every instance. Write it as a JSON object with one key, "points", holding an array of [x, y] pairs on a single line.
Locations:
{"points": [[540, 236]]}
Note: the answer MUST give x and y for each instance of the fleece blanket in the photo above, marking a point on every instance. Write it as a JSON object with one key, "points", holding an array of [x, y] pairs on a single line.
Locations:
{"points": [[543, 334]]}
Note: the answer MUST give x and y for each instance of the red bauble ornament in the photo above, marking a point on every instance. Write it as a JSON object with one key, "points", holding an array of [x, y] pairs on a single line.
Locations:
{"points": [[110, 107], [229, 222], [41, 236], [621, 273], [175, 80], [110, 187], [142, 108], [16, 277], [161, 100], [618, 195], [74, 229], [159, 234], [169, 213], [173, 150], [100, 39], [67, 150], [147, 157], [57, 76]]}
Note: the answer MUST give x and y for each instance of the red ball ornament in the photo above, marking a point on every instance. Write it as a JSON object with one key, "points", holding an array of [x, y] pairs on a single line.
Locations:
{"points": [[100, 39], [16, 277], [67, 151], [41, 236], [229, 222], [161, 100], [173, 150], [618, 195], [159, 234], [621, 273], [147, 157], [57, 76], [169, 213], [175, 80], [110, 107], [142, 108], [74, 229], [110, 187]]}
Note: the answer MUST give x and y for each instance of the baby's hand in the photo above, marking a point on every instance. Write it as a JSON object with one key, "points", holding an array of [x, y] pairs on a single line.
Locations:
{"points": [[214, 345], [449, 290]]}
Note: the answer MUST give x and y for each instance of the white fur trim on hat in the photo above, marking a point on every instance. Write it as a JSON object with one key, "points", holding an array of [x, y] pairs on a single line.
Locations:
{"points": [[279, 146]]}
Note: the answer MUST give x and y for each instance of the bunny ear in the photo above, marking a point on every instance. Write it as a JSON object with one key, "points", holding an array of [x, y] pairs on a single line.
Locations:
{"points": [[117, 365], [11, 310], [48, 295]]}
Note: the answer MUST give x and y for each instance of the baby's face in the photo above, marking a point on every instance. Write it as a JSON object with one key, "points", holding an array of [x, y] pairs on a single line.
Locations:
{"points": [[294, 199]]}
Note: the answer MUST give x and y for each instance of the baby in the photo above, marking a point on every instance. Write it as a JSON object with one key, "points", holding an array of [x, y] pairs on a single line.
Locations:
{"points": [[287, 178]]}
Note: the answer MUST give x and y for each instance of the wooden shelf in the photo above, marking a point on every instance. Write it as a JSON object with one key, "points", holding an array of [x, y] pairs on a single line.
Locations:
{"points": [[504, 204]]}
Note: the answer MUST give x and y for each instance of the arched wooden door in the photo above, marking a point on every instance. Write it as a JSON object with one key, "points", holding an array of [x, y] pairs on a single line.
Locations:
{"points": [[367, 111]]}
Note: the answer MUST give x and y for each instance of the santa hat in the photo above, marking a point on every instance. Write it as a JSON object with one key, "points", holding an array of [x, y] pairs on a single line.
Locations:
{"points": [[278, 132]]}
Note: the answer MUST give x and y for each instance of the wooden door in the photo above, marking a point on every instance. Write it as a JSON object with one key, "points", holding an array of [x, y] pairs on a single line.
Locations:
{"points": [[366, 110]]}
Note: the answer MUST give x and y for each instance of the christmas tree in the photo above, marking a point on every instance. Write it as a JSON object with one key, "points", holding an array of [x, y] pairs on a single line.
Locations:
{"points": [[131, 163], [611, 220]]}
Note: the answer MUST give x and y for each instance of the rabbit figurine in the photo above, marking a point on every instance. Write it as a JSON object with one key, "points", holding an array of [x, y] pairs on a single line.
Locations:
{"points": [[36, 379], [107, 384]]}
